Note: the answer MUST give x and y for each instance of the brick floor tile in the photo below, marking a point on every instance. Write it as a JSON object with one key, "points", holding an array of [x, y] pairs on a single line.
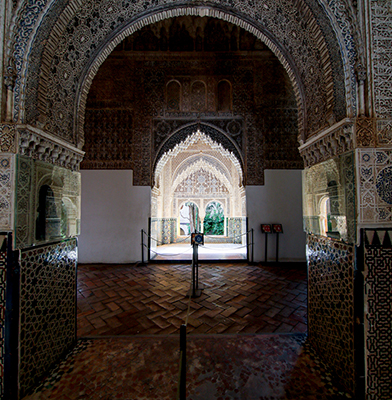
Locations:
{"points": [[98, 323], [126, 299], [243, 311], [272, 312], [218, 329]]}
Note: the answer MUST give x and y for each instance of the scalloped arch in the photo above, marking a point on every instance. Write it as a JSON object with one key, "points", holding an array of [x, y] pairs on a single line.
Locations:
{"points": [[185, 136], [198, 164], [191, 159]]}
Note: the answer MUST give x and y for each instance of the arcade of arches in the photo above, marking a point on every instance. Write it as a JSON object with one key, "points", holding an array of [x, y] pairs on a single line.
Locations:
{"points": [[201, 172], [113, 112]]}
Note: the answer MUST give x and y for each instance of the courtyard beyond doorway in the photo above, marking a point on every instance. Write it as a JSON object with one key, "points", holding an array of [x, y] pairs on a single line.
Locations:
{"points": [[209, 252]]}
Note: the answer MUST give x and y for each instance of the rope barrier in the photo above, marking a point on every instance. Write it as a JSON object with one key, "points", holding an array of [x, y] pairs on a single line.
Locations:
{"points": [[183, 240], [223, 249], [169, 255], [161, 243], [251, 245], [205, 235], [230, 237]]}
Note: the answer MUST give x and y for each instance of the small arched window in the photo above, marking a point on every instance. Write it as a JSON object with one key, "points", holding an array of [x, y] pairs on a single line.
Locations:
{"points": [[224, 96]]}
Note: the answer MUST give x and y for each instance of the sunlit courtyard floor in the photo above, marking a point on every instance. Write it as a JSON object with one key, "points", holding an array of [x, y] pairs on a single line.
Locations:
{"points": [[210, 251]]}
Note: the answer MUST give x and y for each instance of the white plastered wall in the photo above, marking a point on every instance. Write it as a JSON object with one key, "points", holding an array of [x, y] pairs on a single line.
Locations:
{"points": [[279, 201], [113, 212]]}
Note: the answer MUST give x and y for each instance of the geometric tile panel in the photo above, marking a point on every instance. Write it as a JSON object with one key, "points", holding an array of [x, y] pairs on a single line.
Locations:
{"points": [[47, 308], [378, 316], [382, 56], [331, 304], [3, 270], [235, 229], [375, 179], [169, 231], [6, 191], [25, 210], [163, 231]]}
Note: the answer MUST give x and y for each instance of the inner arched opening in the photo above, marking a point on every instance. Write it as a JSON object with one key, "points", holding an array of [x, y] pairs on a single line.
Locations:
{"points": [[198, 187]]}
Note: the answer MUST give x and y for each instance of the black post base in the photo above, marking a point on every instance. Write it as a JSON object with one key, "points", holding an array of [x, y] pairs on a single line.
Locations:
{"points": [[197, 293]]}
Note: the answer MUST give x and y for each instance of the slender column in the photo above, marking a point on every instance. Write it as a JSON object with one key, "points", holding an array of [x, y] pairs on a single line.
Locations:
{"points": [[9, 81], [361, 77]]}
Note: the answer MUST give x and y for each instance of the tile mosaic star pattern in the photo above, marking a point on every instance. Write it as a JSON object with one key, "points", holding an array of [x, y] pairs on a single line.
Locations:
{"points": [[331, 304], [6, 191], [47, 308], [219, 367], [375, 174], [128, 299]]}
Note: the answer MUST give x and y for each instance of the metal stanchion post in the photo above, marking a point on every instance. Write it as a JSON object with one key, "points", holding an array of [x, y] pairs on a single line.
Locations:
{"points": [[266, 247], [247, 240], [142, 244], [149, 241], [183, 362], [197, 266], [247, 247], [252, 244], [195, 292], [194, 270]]}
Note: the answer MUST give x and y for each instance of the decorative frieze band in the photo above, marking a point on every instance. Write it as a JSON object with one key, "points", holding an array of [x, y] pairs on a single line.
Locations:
{"points": [[37, 144], [346, 135], [336, 140], [42, 146]]}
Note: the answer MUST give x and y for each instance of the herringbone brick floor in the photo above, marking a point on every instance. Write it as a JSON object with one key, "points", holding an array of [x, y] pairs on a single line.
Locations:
{"points": [[237, 298]]}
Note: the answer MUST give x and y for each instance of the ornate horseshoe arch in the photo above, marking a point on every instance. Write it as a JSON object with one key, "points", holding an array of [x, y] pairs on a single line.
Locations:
{"points": [[216, 136], [70, 63], [131, 28]]}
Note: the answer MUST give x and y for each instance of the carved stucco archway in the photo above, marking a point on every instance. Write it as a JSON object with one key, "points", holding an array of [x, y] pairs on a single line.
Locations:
{"points": [[321, 94], [186, 135], [249, 26], [190, 154]]}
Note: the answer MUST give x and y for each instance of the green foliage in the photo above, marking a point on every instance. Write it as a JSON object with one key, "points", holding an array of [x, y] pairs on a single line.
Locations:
{"points": [[214, 219]]}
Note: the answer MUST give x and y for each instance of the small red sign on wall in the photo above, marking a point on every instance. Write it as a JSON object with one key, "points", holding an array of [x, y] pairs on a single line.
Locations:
{"points": [[277, 228], [266, 228]]}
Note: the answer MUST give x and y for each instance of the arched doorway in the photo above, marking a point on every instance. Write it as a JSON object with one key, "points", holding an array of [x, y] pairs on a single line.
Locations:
{"points": [[315, 91], [190, 178]]}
